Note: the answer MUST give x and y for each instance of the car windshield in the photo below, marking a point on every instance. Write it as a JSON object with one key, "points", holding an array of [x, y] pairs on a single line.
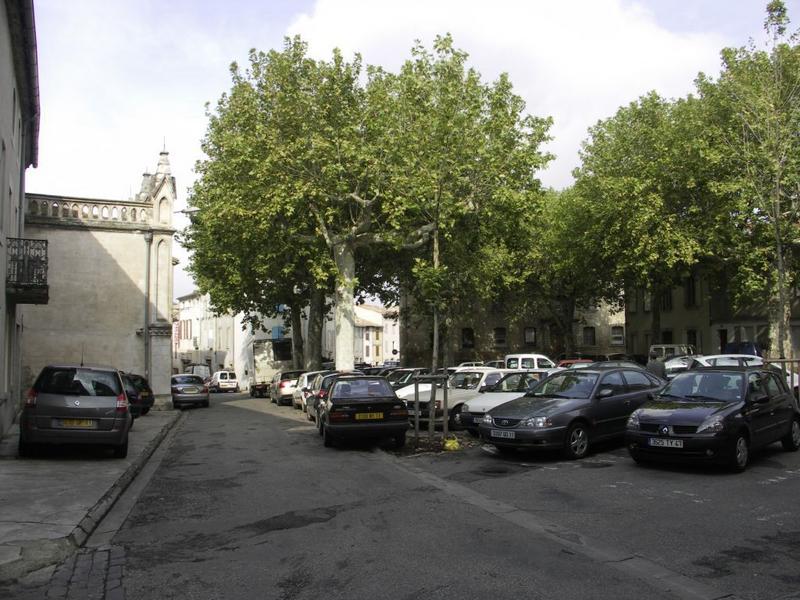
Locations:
{"points": [[704, 386], [515, 382], [361, 388], [396, 376], [466, 380], [290, 375], [187, 379], [567, 384], [72, 381]]}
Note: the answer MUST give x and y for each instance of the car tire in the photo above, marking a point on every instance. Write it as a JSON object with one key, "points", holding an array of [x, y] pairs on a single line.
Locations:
{"points": [[576, 444], [400, 440], [451, 421], [145, 410], [121, 451], [205, 404], [25, 449], [740, 453], [791, 441], [327, 438], [637, 458]]}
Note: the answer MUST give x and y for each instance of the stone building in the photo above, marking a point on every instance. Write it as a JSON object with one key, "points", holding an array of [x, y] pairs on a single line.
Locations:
{"points": [[201, 336], [376, 336], [110, 278], [23, 261]]}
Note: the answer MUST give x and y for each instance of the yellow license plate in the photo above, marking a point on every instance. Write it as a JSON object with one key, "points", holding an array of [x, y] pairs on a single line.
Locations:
{"points": [[77, 422], [368, 416]]}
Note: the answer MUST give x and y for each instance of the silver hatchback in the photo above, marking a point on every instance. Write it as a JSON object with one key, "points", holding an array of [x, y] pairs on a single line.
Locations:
{"points": [[75, 404]]}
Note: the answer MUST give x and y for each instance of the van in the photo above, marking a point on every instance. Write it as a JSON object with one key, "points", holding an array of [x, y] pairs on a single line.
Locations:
{"points": [[665, 351], [528, 361], [224, 381]]}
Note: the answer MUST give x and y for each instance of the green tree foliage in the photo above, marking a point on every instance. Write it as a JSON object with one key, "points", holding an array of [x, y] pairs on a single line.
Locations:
{"points": [[752, 119]]}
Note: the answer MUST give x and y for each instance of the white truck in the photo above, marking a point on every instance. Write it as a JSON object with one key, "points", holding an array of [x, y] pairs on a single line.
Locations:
{"points": [[268, 359]]}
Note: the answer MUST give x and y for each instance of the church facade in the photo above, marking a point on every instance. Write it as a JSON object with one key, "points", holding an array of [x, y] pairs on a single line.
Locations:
{"points": [[110, 281]]}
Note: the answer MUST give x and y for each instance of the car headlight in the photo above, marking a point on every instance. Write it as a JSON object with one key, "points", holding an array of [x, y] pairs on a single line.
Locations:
{"points": [[538, 422], [487, 419], [633, 421], [711, 425], [464, 408]]}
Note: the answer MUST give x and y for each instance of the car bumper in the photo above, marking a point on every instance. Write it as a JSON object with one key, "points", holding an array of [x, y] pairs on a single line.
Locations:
{"points": [[30, 433], [181, 399], [283, 398], [550, 438], [702, 448], [366, 430]]}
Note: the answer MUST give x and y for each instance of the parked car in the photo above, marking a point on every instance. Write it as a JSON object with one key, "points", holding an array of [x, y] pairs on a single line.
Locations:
{"points": [[463, 383], [139, 393], [566, 363], [303, 389], [743, 348], [188, 389], [529, 361], [570, 410], [76, 404], [319, 389], [750, 360], [715, 414], [613, 364], [477, 363], [223, 381], [496, 364], [359, 407], [512, 385], [403, 377], [665, 351], [283, 386]]}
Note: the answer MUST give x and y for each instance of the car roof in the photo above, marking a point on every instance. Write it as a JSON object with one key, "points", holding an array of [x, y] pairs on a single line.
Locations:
{"points": [[74, 366]]}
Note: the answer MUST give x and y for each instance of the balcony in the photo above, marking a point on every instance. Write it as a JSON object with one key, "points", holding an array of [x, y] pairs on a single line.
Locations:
{"points": [[26, 276]]}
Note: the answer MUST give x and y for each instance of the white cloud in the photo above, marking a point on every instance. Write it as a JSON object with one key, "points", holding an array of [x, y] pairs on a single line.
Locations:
{"points": [[576, 61]]}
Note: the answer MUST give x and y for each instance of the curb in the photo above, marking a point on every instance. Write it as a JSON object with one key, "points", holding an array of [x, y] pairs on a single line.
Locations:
{"points": [[35, 555]]}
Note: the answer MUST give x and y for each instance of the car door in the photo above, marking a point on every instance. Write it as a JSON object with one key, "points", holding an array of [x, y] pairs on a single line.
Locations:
{"points": [[611, 405], [781, 405], [759, 412], [639, 386]]}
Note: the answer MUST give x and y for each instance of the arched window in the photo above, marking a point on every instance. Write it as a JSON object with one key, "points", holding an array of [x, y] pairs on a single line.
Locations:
{"points": [[54, 210], [163, 211], [33, 208], [133, 214], [65, 210], [85, 211], [75, 211], [114, 213], [124, 214], [104, 212], [143, 215], [95, 212]]}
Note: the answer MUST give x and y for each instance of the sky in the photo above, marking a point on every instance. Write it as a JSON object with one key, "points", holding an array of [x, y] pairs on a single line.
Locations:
{"points": [[122, 80]]}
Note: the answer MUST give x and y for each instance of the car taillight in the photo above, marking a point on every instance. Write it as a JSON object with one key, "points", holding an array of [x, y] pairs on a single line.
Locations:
{"points": [[338, 415], [321, 394], [30, 398], [122, 404], [285, 383]]}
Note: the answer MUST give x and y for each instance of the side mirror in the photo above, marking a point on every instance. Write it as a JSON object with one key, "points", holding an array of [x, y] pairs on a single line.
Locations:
{"points": [[651, 396], [605, 393]]}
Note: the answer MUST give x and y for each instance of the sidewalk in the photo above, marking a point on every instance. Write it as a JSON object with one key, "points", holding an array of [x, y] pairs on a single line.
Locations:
{"points": [[50, 504]]}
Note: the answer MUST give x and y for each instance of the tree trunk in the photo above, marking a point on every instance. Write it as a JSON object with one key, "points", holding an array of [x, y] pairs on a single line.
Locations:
{"points": [[655, 317], [435, 349], [296, 314], [567, 317], [344, 310], [316, 320]]}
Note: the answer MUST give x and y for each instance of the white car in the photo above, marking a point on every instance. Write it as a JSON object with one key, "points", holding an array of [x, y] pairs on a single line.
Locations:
{"points": [[511, 386], [746, 360], [529, 361], [303, 389]]}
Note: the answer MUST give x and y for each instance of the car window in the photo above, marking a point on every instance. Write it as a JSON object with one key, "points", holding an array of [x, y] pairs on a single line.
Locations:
{"points": [[637, 381], [545, 364], [231, 375], [74, 381], [130, 389], [753, 361], [528, 363], [187, 379], [512, 383], [774, 388], [614, 382], [567, 384], [512, 363], [361, 388], [492, 378], [223, 375], [467, 380]]}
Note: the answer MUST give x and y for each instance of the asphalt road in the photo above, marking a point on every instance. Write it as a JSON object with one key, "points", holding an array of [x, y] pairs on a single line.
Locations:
{"points": [[247, 503]]}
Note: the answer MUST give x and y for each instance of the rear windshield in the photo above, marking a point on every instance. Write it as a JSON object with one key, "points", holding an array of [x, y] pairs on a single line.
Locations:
{"points": [[140, 383], [78, 381], [362, 388], [291, 375], [181, 379], [467, 380]]}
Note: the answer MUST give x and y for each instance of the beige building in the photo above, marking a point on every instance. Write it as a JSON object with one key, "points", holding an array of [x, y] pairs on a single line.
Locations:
{"points": [[201, 336], [24, 261], [110, 277], [490, 332]]}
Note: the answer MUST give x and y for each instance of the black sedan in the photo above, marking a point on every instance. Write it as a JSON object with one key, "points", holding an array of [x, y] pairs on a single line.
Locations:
{"points": [[361, 407], [715, 415], [570, 410]]}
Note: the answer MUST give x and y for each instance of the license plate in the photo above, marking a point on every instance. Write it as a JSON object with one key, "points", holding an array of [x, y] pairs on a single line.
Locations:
{"points": [[84, 423], [368, 416], [510, 435], [412, 412], [661, 443], [190, 390]]}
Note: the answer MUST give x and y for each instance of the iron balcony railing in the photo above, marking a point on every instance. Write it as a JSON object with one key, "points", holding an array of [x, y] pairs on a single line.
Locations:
{"points": [[27, 263]]}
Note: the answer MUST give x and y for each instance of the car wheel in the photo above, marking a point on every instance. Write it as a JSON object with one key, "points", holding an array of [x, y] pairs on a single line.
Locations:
{"points": [[740, 453], [25, 449], [637, 457], [400, 440], [327, 438], [121, 451], [145, 410], [577, 443], [451, 422], [205, 404], [791, 441]]}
